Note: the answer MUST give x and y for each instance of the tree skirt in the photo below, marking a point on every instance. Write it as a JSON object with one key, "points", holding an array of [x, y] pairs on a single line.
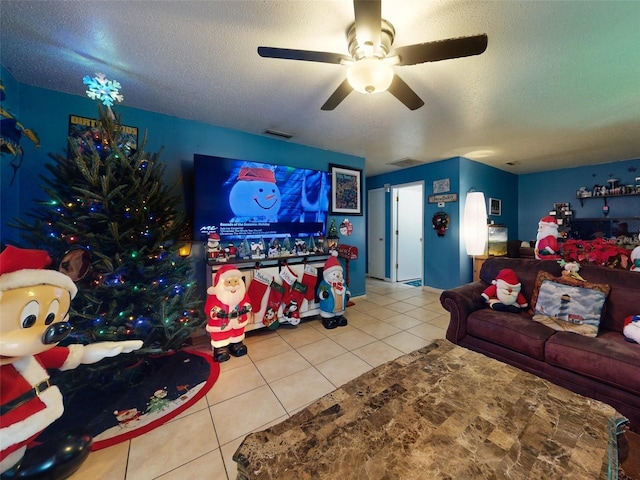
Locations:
{"points": [[177, 381]]}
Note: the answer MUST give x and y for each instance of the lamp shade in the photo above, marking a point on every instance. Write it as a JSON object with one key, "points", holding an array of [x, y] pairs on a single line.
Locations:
{"points": [[370, 75], [475, 223]]}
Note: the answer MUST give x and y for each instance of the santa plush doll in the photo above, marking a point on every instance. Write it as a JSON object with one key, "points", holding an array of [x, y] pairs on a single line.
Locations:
{"points": [[632, 328], [34, 302], [227, 309], [547, 247], [333, 294], [635, 259], [504, 293]]}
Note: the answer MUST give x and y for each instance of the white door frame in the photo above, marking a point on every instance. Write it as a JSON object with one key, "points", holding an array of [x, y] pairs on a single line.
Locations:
{"points": [[394, 222]]}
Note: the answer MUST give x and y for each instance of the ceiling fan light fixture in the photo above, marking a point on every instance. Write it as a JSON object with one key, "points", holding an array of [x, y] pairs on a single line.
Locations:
{"points": [[370, 75]]}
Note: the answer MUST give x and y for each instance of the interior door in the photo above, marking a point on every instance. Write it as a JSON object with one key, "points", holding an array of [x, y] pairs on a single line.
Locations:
{"points": [[376, 235], [409, 231]]}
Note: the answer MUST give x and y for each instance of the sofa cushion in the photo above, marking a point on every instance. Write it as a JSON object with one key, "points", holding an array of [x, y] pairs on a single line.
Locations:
{"points": [[608, 358], [568, 304], [514, 331]]}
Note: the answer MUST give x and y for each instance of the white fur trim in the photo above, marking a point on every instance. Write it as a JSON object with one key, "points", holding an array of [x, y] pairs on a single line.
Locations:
{"points": [[12, 459], [30, 277], [74, 359]]}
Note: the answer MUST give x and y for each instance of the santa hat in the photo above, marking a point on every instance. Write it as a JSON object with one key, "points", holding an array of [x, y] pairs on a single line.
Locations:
{"points": [[508, 276], [21, 268], [225, 272], [548, 221], [331, 264], [214, 236], [255, 174]]}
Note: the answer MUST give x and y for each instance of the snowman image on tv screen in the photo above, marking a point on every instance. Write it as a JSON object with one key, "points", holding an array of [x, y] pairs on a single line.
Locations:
{"points": [[255, 197]]}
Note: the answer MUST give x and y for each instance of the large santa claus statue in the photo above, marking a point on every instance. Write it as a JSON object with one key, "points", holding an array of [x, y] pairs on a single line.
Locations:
{"points": [[34, 305], [333, 294], [504, 293], [547, 247], [227, 310]]}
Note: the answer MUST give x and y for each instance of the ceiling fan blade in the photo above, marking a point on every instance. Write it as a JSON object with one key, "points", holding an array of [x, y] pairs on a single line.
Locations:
{"points": [[442, 50], [338, 96], [403, 92], [306, 55], [368, 15]]}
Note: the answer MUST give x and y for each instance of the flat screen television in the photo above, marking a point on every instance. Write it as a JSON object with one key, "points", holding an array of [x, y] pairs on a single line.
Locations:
{"points": [[240, 199]]}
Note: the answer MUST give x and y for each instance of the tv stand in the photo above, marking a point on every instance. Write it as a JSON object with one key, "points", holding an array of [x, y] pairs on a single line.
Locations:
{"points": [[270, 267]]}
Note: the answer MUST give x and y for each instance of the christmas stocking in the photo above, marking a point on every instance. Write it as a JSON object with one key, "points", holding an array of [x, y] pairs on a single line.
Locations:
{"points": [[270, 318], [309, 278], [288, 276], [257, 289], [292, 308]]}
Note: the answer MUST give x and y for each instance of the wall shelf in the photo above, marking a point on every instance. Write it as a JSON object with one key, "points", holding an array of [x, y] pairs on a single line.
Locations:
{"points": [[604, 197]]}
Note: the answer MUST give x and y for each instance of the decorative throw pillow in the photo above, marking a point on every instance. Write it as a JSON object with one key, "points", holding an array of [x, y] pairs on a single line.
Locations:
{"points": [[568, 304]]}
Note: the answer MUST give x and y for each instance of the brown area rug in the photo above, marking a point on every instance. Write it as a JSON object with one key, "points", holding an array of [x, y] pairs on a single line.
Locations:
{"points": [[442, 412]]}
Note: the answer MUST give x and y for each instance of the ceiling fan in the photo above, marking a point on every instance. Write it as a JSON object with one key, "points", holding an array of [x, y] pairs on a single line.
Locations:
{"points": [[370, 40]]}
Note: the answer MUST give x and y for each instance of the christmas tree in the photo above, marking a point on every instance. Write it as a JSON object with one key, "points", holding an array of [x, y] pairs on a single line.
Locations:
{"points": [[110, 199]]}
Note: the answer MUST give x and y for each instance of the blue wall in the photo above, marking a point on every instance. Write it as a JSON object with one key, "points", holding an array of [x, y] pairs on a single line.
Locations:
{"points": [[539, 191], [446, 263], [47, 112]]}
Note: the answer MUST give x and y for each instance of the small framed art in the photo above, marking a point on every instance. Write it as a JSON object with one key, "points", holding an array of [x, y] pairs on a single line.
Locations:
{"points": [[346, 190], [495, 206]]}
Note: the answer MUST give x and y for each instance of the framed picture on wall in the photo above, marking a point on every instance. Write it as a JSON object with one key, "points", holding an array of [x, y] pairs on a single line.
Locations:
{"points": [[346, 190], [495, 206]]}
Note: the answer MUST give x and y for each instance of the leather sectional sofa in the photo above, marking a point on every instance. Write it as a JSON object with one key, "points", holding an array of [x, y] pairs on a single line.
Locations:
{"points": [[606, 368]]}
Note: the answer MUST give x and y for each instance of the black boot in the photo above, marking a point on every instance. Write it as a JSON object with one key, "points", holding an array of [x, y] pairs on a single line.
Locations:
{"points": [[58, 458], [342, 321], [238, 349], [329, 323], [220, 354]]}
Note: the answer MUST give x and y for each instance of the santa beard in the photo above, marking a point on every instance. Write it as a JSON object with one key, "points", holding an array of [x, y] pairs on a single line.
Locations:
{"points": [[545, 231], [231, 296]]}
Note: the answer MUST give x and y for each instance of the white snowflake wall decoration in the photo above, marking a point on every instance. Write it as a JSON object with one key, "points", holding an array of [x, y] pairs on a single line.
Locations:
{"points": [[102, 89]]}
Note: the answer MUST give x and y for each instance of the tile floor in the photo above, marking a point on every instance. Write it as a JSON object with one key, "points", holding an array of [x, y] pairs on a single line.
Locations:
{"points": [[284, 371]]}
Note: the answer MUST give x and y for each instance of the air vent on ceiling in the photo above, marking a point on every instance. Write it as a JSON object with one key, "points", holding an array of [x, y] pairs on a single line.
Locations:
{"points": [[406, 162], [516, 162], [276, 133]]}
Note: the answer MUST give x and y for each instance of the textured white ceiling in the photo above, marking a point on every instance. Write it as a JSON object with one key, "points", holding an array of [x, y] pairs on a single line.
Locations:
{"points": [[558, 86]]}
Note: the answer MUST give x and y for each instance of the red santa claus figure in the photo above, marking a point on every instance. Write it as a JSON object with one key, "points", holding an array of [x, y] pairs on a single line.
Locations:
{"points": [[33, 311], [227, 309], [504, 293], [547, 247]]}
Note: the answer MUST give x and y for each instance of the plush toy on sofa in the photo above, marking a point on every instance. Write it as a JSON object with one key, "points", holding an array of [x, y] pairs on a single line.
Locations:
{"points": [[504, 293], [632, 328], [635, 259], [34, 303]]}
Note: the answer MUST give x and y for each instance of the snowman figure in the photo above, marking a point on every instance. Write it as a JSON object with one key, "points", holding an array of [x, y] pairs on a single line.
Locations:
{"points": [[333, 294], [255, 197]]}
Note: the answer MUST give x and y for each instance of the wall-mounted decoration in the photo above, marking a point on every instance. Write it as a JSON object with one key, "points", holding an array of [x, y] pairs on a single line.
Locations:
{"points": [[443, 198], [440, 223], [11, 131], [346, 228], [441, 186], [85, 131], [495, 206], [346, 190]]}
